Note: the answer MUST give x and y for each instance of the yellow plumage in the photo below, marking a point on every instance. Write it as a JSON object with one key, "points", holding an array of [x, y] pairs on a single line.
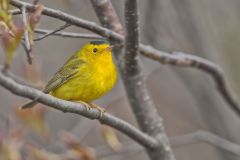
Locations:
{"points": [[87, 75]]}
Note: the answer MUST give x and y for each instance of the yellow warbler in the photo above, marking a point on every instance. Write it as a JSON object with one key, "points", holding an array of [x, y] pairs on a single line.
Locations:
{"points": [[87, 75]]}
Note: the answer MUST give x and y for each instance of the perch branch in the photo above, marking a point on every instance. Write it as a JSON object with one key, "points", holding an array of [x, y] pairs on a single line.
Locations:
{"points": [[76, 108]]}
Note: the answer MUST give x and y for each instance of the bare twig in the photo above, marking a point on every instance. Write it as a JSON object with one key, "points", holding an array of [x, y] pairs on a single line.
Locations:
{"points": [[26, 42], [148, 51], [14, 11], [181, 141], [53, 32], [76, 108], [141, 103], [70, 34], [204, 136]]}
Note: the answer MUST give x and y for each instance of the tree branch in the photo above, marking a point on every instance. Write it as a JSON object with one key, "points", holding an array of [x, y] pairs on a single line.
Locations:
{"points": [[14, 11], [187, 60], [148, 51], [26, 43], [76, 108], [135, 85], [208, 137], [53, 32], [181, 141], [69, 34]]}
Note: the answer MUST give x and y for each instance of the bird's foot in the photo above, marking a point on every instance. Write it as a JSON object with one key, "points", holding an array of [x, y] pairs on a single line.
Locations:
{"points": [[89, 106], [100, 109]]}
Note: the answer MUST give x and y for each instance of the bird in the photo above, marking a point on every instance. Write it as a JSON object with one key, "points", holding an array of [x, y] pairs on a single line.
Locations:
{"points": [[87, 75]]}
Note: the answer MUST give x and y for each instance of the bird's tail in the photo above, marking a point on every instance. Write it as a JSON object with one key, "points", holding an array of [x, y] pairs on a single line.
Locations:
{"points": [[29, 104]]}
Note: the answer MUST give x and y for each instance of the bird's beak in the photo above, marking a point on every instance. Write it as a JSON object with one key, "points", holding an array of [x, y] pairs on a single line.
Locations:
{"points": [[109, 48]]}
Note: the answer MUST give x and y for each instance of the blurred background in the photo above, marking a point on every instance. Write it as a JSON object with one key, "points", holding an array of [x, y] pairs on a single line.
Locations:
{"points": [[186, 98]]}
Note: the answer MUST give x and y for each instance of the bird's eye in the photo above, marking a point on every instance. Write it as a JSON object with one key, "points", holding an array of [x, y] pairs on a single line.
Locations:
{"points": [[95, 50]]}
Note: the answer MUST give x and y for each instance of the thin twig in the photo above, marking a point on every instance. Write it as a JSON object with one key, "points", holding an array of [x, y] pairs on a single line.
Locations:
{"points": [[26, 42], [14, 11], [53, 31], [70, 34], [147, 51], [208, 137], [77, 108]]}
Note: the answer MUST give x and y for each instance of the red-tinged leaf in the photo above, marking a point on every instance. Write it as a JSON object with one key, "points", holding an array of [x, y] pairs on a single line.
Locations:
{"points": [[11, 43], [111, 138], [77, 150], [34, 17], [11, 35], [34, 119]]}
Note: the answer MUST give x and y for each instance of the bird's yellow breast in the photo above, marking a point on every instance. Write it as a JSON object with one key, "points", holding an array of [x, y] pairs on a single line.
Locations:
{"points": [[90, 83]]}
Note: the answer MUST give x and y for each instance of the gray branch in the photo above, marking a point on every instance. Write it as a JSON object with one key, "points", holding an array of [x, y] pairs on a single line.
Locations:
{"points": [[14, 11], [200, 136], [53, 32], [69, 34], [26, 43], [207, 137], [142, 105], [76, 108], [148, 51]]}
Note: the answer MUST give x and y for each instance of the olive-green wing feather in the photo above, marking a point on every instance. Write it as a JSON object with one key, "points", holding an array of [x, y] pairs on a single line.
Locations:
{"points": [[68, 71]]}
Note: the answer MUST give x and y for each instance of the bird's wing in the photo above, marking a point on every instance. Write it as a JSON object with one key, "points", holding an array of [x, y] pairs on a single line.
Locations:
{"points": [[68, 71]]}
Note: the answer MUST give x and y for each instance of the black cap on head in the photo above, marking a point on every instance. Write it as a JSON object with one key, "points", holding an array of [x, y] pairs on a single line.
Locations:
{"points": [[99, 42]]}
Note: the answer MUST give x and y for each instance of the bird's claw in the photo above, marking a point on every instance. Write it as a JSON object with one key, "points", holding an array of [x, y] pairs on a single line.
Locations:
{"points": [[100, 109]]}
